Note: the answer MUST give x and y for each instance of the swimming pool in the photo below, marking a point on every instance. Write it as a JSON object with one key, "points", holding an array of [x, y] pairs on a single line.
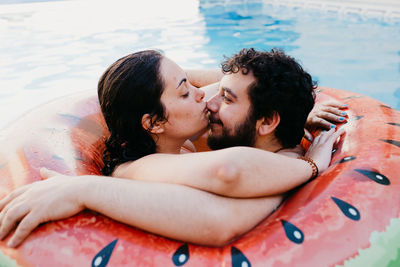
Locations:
{"points": [[50, 49]]}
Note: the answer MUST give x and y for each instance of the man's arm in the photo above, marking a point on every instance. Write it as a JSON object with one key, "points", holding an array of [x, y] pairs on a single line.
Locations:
{"points": [[169, 210]]}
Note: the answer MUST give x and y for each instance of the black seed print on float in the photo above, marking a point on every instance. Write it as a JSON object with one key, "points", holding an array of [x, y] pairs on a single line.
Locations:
{"points": [[239, 259], [292, 232], [384, 106], [393, 142], [374, 176], [346, 159], [350, 211], [56, 157], [353, 96], [356, 118], [393, 123], [102, 258], [181, 255]]}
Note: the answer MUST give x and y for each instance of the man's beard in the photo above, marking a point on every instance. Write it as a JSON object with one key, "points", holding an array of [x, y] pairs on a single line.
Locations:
{"points": [[244, 134]]}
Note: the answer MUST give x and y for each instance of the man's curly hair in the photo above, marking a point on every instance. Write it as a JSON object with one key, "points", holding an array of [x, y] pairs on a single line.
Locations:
{"points": [[281, 86]]}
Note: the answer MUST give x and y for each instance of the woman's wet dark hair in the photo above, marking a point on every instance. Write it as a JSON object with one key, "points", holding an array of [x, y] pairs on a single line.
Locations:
{"points": [[281, 86], [130, 88]]}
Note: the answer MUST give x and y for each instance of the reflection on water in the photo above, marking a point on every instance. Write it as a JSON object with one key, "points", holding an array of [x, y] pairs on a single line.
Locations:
{"points": [[249, 24], [50, 49], [7, 2]]}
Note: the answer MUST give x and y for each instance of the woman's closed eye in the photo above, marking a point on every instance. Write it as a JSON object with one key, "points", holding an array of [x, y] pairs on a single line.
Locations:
{"points": [[185, 95]]}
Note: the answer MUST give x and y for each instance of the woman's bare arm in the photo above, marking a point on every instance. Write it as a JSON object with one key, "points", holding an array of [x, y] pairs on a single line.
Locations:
{"points": [[169, 210], [235, 172]]}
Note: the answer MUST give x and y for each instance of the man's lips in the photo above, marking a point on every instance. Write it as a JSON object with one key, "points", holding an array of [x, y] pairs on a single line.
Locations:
{"points": [[213, 120]]}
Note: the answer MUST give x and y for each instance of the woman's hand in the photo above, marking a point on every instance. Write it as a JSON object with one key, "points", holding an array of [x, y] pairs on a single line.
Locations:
{"points": [[42, 201], [321, 148], [325, 115]]}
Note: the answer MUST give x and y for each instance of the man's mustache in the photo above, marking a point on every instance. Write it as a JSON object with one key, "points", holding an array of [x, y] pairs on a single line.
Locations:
{"points": [[213, 119]]}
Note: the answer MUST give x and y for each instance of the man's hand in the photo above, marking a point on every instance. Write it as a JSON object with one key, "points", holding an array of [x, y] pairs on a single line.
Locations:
{"points": [[321, 148], [325, 115], [42, 201]]}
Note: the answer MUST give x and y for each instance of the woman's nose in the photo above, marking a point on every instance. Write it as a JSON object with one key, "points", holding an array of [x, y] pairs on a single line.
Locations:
{"points": [[199, 95]]}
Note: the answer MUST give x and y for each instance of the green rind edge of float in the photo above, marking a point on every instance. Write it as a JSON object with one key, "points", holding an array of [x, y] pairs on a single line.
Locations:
{"points": [[5, 261], [384, 249]]}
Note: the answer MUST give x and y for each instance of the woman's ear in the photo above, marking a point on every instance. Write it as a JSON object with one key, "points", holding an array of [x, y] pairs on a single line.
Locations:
{"points": [[152, 124], [266, 126]]}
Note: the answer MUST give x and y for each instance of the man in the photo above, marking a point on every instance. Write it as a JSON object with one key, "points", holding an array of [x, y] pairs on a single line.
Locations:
{"points": [[244, 113], [268, 89]]}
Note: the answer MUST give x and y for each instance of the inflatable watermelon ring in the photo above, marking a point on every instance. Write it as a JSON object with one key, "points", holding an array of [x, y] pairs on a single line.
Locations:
{"points": [[350, 215]]}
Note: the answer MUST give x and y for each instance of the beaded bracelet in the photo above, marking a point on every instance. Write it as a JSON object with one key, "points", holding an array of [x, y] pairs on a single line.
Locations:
{"points": [[312, 164]]}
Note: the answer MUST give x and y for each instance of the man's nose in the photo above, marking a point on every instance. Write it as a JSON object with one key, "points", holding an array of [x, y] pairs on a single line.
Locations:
{"points": [[213, 103]]}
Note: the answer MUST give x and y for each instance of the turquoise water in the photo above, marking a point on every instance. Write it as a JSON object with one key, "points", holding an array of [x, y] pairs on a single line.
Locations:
{"points": [[351, 52], [52, 48]]}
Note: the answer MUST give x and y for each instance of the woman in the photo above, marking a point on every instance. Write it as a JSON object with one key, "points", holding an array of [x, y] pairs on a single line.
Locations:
{"points": [[147, 97], [149, 106]]}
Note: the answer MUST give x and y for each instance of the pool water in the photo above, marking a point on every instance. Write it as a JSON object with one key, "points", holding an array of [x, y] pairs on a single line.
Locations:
{"points": [[52, 48]]}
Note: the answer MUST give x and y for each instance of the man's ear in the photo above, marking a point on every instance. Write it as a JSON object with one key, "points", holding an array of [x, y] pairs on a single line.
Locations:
{"points": [[152, 124], [266, 126]]}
